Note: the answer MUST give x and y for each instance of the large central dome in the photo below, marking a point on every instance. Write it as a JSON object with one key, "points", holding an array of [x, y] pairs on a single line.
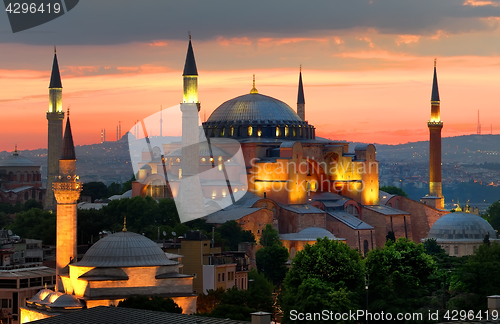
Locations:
{"points": [[124, 249], [254, 106], [258, 116]]}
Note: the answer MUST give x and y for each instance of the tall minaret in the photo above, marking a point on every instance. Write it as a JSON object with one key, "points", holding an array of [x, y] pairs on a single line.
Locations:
{"points": [[67, 190], [55, 117], [190, 194], [301, 102], [435, 125]]}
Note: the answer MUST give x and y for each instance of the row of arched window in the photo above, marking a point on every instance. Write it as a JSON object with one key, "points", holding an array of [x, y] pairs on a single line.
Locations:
{"points": [[24, 177], [286, 131]]}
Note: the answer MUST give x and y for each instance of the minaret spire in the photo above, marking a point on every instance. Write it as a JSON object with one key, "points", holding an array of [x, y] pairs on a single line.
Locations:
{"points": [[190, 76], [55, 116], [301, 102], [435, 125], [435, 90], [68, 149]]}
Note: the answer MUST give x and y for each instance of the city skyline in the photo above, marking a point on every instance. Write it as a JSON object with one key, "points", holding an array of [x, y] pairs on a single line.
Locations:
{"points": [[371, 78]]}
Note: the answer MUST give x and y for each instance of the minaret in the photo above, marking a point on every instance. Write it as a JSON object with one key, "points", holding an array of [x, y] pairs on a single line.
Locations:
{"points": [[190, 194], [55, 117], [67, 190], [435, 125], [301, 102]]}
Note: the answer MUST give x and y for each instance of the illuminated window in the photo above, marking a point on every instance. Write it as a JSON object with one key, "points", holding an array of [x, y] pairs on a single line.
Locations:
{"points": [[178, 160], [300, 131], [224, 193], [286, 131], [259, 132], [294, 131], [220, 166], [250, 130], [203, 160], [278, 131], [236, 190], [214, 193], [211, 159], [222, 132], [220, 158], [231, 130]]}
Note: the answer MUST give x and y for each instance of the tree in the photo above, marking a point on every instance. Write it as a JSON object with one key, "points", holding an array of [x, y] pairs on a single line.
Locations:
{"points": [[433, 248], [326, 275], [154, 303], [127, 185], [95, 189], [394, 190], [35, 224], [272, 257], [477, 278], [390, 236], [231, 234], [492, 215], [238, 304], [400, 276]]}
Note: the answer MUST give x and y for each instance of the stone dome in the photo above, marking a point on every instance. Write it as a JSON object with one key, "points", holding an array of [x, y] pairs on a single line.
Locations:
{"points": [[66, 301], [40, 295], [461, 226], [16, 160], [254, 106], [124, 249], [309, 234], [267, 117]]}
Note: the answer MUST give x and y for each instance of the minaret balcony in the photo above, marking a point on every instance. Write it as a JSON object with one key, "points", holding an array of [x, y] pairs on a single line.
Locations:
{"points": [[434, 123]]}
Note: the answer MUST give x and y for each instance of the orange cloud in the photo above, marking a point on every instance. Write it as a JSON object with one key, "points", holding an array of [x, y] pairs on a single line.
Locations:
{"points": [[480, 3], [158, 43], [407, 39], [234, 41]]}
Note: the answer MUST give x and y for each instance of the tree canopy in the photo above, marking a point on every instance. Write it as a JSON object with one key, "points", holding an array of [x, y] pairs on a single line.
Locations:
{"points": [[151, 303], [394, 190], [400, 276], [272, 257], [325, 275]]}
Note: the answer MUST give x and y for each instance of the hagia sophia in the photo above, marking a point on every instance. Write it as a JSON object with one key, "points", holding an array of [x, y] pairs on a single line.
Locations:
{"points": [[305, 186]]}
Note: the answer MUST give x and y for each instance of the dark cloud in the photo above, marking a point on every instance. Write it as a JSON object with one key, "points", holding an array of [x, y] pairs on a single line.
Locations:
{"points": [[121, 21]]}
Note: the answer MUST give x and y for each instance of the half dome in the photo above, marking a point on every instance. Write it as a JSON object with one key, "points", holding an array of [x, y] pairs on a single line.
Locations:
{"points": [[124, 249], [461, 226]]}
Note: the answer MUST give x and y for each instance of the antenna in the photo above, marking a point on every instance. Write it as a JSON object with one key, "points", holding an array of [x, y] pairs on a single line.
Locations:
{"points": [[120, 129], [161, 120], [478, 124]]}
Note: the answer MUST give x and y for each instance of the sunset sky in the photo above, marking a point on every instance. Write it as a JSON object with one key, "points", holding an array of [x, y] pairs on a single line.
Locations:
{"points": [[366, 64]]}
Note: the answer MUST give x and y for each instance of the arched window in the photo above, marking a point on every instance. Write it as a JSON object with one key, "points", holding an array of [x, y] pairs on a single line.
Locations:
{"points": [[455, 250], [250, 130], [231, 131], [224, 193], [222, 131], [278, 131], [294, 131], [397, 203], [259, 131], [287, 133], [365, 247]]}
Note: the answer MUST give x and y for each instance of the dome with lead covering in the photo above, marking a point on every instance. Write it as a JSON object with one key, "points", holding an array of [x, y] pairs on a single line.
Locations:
{"points": [[461, 226], [124, 249], [16, 160], [257, 115]]}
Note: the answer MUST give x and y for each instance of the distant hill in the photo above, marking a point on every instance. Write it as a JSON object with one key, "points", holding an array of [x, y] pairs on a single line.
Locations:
{"points": [[464, 149]]}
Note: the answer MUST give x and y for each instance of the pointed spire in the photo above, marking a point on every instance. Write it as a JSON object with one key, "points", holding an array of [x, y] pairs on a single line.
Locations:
{"points": [[254, 89], [68, 150], [55, 78], [300, 96], [190, 65], [15, 151], [435, 91], [124, 229]]}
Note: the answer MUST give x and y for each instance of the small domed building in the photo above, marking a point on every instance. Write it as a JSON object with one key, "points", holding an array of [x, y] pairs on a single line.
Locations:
{"points": [[116, 267], [461, 233], [20, 179]]}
